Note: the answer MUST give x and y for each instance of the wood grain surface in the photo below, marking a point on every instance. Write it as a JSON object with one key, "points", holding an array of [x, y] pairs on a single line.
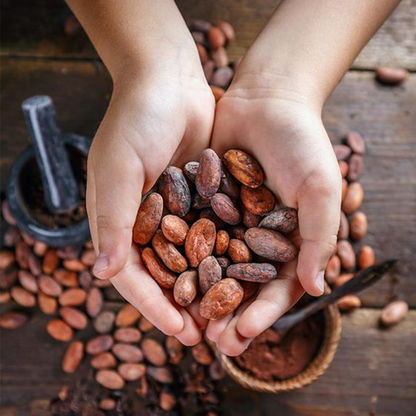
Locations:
{"points": [[370, 375], [37, 29]]}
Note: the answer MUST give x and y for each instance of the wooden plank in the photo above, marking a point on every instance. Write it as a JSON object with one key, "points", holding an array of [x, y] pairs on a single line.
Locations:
{"points": [[37, 29], [385, 116], [373, 371]]}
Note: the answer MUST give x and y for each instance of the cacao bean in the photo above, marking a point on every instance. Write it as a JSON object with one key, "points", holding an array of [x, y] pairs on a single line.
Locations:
{"points": [[221, 242], [250, 220], [161, 374], [252, 272], [109, 379], [202, 354], [224, 207], [356, 142], [74, 265], [95, 302], [346, 254], [208, 177], [175, 191], [154, 352], [349, 303], [72, 297], [74, 317], [342, 152], [127, 335], [391, 75], [258, 201], [174, 349], [175, 229], [49, 286], [103, 361], [366, 258], [229, 185], [148, 219], [200, 241], [127, 353], [47, 304], [344, 227], [168, 253], [99, 344], [270, 244], [104, 322], [23, 297], [358, 226], [59, 330], [185, 289], [6, 259], [333, 269], [50, 262], [209, 273], [190, 170], [222, 299], [355, 167], [127, 316], [28, 281], [12, 320], [244, 168], [394, 313], [353, 199], [73, 356], [227, 29], [216, 37], [239, 252], [131, 372], [163, 276]]}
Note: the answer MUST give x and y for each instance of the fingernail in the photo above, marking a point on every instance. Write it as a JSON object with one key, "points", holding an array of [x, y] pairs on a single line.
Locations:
{"points": [[101, 264], [320, 281]]}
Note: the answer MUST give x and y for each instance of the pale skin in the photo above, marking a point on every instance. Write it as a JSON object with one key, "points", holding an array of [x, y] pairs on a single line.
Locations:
{"points": [[162, 112]]}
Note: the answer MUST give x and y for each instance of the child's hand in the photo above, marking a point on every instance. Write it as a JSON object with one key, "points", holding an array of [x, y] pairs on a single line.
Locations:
{"points": [[288, 139], [160, 119]]}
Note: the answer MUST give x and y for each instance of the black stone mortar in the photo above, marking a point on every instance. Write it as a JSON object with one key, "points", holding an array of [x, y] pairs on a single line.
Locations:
{"points": [[46, 187]]}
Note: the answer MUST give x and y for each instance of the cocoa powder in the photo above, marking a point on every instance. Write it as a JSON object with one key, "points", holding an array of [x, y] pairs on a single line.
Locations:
{"points": [[269, 360]]}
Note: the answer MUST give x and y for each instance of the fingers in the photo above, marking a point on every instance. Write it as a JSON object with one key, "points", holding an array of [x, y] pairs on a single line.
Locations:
{"points": [[216, 328], [114, 206], [319, 211], [275, 298], [193, 310], [191, 333], [231, 342], [138, 287]]}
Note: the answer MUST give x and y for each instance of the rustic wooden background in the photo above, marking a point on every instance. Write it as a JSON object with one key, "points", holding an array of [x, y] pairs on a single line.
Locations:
{"points": [[374, 372]]}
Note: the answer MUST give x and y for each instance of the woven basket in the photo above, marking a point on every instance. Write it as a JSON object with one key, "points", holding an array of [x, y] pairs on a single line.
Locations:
{"points": [[314, 370]]}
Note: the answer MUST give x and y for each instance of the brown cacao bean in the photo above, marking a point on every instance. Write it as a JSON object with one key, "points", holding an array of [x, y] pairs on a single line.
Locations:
{"points": [[343, 278], [355, 167], [353, 199], [154, 352], [346, 254], [127, 316], [163, 276], [258, 201], [22, 252], [168, 253], [99, 344], [59, 330], [200, 241], [148, 219], [344, 227], [250, 289], [270, 244], [227, 29], [50, 262], [391, 75], [12, 320], [216, 37], [349, 303], [209, 273], [221, 242], [131, 372], [74, 317], [175, 191], [145, 325], [250, 220], [74, 265], [333, 269], [222, 299], [224, 207], [202, 354], [104, 322], [186, 286], [229, 185], [127, 353], [72, 297], [109, 379], [161, 374], [394, 313], [358, 226], [95, 302], [366, 258], [47, 304], [127, 335], [283, 220], [356, 142], [343, 167], [6, 259], [23, 297], [208, 177], [239, 251], [252, 272], [244, 168], [175, 229], [73, 356], [66, 278], [28, 281], [103, 361], [174, 349], [190, 170], [49, 286]]}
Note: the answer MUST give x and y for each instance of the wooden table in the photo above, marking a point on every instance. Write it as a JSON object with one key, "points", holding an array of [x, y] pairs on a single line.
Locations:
{"points": [[374, 371]]}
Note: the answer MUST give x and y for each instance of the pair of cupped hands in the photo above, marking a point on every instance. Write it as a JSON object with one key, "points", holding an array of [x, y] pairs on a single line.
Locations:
{"points": [[165, 114]]}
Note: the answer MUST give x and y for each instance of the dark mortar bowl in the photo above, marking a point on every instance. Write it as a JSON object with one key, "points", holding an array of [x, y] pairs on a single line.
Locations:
{"points": [[71, 235]]}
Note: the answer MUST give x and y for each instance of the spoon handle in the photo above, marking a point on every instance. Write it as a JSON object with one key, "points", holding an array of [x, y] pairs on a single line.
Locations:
{"points": [[60, 188], [360, 281]]}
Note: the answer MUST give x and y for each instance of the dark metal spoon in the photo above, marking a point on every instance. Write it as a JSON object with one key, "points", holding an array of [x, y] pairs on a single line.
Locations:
{"points": [[360, 281]]}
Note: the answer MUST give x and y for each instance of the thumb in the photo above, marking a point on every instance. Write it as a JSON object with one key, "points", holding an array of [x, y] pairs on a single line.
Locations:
{"points": [[319, 203], [118, 181]]}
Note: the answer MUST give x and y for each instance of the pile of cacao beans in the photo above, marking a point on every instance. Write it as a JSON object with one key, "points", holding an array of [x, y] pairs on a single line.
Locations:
{"points": [[217, 225]]}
